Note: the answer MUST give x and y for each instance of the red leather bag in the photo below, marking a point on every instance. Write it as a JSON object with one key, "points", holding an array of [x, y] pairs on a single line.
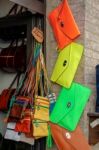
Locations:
{"points": [[66, 140], [63, 24], [5, 99], [7, 94]]}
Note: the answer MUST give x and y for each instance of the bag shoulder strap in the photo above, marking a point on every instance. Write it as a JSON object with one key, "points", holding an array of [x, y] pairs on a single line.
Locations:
{"points": [[17, 77]]}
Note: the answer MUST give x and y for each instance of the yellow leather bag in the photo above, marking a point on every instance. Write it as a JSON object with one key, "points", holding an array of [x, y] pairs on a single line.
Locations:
{"points": [[66, 65]]}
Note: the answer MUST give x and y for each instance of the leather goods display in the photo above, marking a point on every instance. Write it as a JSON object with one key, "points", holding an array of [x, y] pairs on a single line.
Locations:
{"points": [[66, 140], [66, 64], [97, 88], [41, 110], [40, 128], [69, 106], [63, 24]]}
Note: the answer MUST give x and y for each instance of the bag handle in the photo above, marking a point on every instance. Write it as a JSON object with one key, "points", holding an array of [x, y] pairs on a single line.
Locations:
{"points": [[15, 78], [48, 84], [15, 10], [38, 74], [30, 81]]}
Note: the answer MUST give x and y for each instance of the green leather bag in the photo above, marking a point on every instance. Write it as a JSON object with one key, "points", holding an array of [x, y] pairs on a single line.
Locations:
{"points": [[70, 105]]}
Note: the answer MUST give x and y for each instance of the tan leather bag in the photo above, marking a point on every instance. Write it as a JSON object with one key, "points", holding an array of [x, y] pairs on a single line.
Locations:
{"points": [[66, 140]]}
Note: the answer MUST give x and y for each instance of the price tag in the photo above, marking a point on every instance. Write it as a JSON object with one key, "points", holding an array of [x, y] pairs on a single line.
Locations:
{"points": [[38, 34]]}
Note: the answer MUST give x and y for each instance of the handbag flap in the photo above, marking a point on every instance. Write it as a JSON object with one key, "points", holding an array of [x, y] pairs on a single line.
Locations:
{"points": [[72, 139], [66, 21], [68, 100], [64, 104], [67, 56], [69, 140], [58, 137], [62, 63]]}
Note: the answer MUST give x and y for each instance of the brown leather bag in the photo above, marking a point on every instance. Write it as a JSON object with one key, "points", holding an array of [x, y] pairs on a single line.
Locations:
{"points": [[66, 140]]}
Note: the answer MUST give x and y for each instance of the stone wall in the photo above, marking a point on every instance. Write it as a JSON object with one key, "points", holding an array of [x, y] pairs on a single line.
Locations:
{"points": [[91, 52], [86, 14]]}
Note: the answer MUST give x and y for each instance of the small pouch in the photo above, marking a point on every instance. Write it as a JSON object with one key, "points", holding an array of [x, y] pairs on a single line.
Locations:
{"points": [[40, 128], [11, 134], [18, 108], [24, 124], [41, 110]]}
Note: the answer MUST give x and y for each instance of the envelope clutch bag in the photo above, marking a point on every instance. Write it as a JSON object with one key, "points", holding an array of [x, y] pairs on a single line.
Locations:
{"points": [[66, 65], [63, 24], [69, 106], [66, 140]]}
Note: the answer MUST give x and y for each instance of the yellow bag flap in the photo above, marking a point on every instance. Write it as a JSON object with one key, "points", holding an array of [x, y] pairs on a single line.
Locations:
{"points": [[62, 63], [67, 60]]}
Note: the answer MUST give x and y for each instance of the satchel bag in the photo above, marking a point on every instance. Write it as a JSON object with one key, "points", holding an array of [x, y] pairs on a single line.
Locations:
{"points": [[41, 104], [63, 24], [66, 140], [69, 106], [66, 65]]}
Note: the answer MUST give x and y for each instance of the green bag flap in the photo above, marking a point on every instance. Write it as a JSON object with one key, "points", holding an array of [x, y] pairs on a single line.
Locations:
{"points": [[70, 105], [64, 104]]}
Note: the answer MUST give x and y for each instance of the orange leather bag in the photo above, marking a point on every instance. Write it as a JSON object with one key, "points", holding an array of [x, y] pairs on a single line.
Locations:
{"points": [[66, 140], [63, 24]]}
